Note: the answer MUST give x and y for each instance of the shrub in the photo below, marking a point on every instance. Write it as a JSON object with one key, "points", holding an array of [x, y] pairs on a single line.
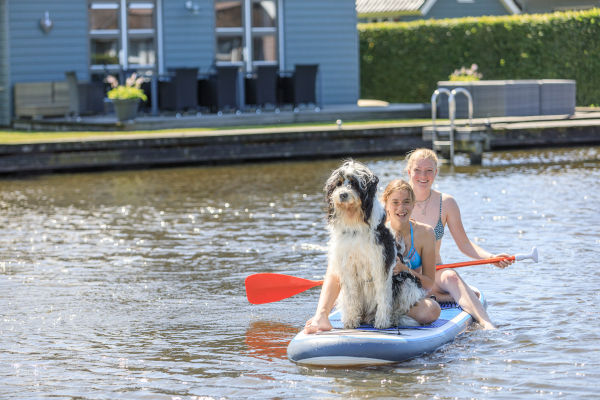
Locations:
{"points": [[403, 61]]}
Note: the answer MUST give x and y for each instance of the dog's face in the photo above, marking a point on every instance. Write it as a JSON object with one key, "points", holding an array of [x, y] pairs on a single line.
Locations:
{"points": [[351, 191]]}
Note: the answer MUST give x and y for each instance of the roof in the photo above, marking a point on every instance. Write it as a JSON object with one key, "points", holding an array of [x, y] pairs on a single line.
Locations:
{"points": [[407, 7], [382, 7]]}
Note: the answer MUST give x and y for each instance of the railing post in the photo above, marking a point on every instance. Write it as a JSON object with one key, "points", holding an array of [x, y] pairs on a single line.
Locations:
{"points": [[451, 114], [154, 93], [469, 100], [434, 97]]}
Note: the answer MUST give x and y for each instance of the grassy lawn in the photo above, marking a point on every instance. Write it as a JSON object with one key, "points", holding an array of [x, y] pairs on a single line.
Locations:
{"points": [[11, 136]]}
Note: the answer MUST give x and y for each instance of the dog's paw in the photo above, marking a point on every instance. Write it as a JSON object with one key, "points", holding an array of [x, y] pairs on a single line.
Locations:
{"points": [[382, 322], [351, 323], [382, 325]]}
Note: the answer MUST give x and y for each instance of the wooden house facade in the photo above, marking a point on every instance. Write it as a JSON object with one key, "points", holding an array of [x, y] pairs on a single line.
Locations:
{"points": [[41, 40]]}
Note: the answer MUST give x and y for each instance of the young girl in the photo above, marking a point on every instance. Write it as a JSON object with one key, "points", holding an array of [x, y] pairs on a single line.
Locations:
{"points": [[439, 210], [416, 240]]}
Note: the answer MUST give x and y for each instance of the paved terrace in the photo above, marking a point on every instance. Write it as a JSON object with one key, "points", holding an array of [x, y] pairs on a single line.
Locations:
{"points": [[270, 142]]}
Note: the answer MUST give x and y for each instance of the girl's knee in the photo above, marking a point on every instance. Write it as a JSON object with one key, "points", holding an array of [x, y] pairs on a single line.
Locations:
{"points": [[430, 312], [449, 276], [434, 311]]}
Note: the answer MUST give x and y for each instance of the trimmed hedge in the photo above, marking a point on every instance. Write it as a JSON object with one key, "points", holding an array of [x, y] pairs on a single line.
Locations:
{"points": [[402, 62]]}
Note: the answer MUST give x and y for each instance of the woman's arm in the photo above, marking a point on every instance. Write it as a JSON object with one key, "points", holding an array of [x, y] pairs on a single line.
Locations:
{"points": [[329, 293], [464, 244]]}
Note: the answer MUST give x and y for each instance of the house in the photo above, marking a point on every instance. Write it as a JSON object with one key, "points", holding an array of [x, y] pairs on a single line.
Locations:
{"points": [[406, 10], [546, 6], [40, 40]]}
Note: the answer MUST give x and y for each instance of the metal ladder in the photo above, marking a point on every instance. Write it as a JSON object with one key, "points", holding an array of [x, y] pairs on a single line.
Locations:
{"points": [[436, 141]]}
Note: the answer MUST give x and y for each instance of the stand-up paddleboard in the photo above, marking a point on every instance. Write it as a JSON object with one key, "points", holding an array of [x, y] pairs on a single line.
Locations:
{"points": [[369, 346]]}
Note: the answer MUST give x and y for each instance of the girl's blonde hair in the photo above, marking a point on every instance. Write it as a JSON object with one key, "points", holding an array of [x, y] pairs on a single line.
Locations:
{"points": [[397, 184], [420, 154]]}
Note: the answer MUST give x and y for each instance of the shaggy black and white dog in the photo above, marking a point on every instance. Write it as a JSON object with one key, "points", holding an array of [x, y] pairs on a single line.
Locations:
{"points": [[362, 252]]}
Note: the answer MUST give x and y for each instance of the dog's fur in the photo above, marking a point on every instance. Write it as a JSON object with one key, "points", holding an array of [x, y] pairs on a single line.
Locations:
{"points": [[362, 252]]}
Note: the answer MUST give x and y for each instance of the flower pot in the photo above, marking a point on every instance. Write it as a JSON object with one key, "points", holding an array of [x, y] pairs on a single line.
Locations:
{"points": [[126, 109]]}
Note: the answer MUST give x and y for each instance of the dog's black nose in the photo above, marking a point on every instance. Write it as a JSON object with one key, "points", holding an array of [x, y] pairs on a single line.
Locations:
{"points": [[343, 196]]}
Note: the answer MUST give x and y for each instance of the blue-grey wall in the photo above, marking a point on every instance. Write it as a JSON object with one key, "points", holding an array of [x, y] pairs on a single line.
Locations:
{"points": [[188, 38], [455, 9], [37, 56], [324, 32], [4, 69]]}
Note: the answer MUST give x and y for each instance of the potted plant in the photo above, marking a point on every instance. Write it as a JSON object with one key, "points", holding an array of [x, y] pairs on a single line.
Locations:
{"points": [[126, 98], [466, 74]]}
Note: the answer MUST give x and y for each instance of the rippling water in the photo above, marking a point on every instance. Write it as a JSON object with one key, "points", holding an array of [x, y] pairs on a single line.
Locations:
{"points": [[130, 284]]}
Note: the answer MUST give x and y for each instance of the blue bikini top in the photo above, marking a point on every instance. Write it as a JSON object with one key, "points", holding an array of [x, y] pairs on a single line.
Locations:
{"points": [[412, 259]]}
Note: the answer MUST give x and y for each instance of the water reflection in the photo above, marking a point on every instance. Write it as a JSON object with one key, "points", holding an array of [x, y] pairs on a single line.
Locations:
{"points": [[130, 284], [268, 340]]}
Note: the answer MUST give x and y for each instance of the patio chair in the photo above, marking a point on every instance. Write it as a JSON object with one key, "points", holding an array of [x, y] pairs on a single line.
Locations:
{"points": [[299, 87], [224, 88], [180, 91], [85, 98], [304, 84], [261, 89]]}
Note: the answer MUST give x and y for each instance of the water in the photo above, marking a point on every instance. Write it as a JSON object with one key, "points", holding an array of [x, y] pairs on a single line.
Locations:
{"points": [[129, 285]]}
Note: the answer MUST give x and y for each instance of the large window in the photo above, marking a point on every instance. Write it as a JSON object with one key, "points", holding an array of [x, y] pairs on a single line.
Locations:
{"points": [[264, 30], [122, 34], [246, 32], [230, 31]]}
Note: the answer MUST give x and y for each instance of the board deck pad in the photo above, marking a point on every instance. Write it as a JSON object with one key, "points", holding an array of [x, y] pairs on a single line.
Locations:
{"points": [[449, 310]]}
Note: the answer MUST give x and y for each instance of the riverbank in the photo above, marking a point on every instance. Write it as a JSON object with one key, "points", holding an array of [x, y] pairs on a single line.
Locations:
{"points": [[289, 142]]}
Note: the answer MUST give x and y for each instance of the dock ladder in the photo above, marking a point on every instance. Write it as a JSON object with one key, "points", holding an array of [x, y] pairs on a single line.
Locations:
{"points": [[447, 140]]}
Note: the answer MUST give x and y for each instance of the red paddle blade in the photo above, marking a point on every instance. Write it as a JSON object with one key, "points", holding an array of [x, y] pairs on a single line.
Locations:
{"points": [[267, 288]]}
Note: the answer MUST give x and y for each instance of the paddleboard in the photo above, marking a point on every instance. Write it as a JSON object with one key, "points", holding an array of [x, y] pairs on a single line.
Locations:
{"points": [[369, 346]]}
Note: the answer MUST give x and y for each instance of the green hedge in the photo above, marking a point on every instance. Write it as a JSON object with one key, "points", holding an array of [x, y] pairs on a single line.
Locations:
{"points": [[402, 62]]}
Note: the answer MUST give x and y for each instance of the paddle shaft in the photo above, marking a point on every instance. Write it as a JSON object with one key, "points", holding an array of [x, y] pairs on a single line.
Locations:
{"points": [[475, 262]]}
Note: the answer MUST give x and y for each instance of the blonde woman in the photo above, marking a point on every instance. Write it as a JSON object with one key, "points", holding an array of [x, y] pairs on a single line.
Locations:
{"points": [[439, 210]]}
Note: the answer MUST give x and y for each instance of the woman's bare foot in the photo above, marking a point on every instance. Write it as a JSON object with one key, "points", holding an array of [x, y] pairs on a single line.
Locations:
{"points": [[486, 325]]}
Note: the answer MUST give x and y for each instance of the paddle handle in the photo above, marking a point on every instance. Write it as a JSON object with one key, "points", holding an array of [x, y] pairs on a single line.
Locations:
{"points": [[533, 255]]}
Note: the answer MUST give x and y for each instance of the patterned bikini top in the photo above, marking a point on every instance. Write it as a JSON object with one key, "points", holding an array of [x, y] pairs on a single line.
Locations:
{"points": [[439, 228]]}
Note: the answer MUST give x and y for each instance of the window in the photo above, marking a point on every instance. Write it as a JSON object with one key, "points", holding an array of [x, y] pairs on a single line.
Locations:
{"points": [[246, 32], [264, 29], [140, 32], [122, 34], [104, 33], [230, 31]]}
